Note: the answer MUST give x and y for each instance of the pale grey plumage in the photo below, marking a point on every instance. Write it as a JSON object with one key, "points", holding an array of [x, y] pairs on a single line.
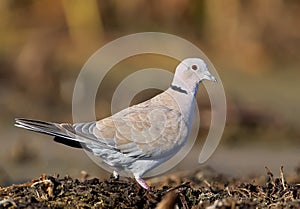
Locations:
{"points": [[142, 136]]}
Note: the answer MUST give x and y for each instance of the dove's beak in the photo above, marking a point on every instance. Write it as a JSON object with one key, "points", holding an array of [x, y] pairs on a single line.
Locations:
{"points": [[212, 78], [208, 76]]}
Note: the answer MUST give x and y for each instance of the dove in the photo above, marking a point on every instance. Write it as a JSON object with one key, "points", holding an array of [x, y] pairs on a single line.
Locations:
{"points": [[140, 137]]}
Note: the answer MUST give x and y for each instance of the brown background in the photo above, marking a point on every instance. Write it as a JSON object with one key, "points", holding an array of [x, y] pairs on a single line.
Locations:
{"points": [[255, 46]]}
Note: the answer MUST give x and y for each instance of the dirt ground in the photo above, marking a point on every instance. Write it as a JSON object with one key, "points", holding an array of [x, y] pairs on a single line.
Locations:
{"points": [[199, 189]]}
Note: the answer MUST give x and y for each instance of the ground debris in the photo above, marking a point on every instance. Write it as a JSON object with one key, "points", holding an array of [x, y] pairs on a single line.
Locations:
{"points": [[191, 191]]}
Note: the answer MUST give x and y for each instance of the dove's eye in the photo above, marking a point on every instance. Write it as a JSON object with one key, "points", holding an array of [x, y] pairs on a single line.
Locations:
{"points": [[194, 67]]}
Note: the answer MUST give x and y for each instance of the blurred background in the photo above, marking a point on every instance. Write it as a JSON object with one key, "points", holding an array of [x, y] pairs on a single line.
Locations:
{"points": [[254, 45]]}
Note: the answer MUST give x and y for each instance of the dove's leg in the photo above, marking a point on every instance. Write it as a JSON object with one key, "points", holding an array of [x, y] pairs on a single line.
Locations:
{"points": [[142, 182], [115, 174]]}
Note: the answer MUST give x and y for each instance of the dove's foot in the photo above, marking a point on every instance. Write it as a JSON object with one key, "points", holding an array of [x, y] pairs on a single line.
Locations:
{"points": [[142, 182], [115, 175]]}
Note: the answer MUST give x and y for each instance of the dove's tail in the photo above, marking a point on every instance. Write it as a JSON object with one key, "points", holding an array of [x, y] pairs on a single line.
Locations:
{"points": [[63, 133]]}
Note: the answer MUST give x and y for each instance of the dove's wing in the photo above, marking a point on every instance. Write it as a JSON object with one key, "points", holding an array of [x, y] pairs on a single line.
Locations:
{"points": [[149, 132], [152, 128]]}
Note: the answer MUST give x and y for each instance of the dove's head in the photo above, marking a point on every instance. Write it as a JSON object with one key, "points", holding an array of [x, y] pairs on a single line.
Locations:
{"points": [[190, 72], [194, 69]]}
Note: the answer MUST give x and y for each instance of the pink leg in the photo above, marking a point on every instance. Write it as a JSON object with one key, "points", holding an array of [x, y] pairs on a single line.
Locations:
{"points": [[142, 182]]}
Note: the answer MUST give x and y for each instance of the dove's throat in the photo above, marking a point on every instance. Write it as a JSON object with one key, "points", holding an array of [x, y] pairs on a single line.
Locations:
{"points": [[185, 86], [184, 96]]}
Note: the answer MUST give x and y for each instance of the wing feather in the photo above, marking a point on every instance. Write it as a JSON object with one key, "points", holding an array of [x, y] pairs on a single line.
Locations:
{"points": [[147, 129]]}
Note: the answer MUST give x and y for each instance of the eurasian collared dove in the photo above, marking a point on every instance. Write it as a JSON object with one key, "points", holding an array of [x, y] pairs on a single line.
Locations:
{"points": [[142, 136]]}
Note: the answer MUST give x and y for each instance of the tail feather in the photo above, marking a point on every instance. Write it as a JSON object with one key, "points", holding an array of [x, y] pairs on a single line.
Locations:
{"points": [[41, 127], [53, 129]]}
